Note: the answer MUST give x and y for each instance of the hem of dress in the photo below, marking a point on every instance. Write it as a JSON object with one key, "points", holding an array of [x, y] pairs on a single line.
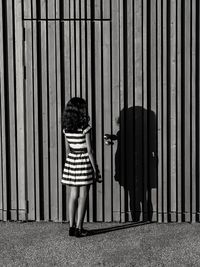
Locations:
{"points": [[65, 183]]}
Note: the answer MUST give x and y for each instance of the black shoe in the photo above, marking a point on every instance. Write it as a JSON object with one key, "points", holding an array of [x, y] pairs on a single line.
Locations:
{"points": [[80, 232], [72, 231]]}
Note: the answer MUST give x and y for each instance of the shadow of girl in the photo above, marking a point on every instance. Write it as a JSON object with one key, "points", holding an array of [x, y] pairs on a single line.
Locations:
{"points": [[135, 161]]}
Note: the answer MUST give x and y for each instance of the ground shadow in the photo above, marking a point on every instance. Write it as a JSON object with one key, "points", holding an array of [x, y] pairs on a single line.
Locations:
{"points": [[136, 161], [115, 228]]}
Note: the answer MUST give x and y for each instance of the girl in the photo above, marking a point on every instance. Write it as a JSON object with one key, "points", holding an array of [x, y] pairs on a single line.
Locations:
{"points": [[80, 170]]}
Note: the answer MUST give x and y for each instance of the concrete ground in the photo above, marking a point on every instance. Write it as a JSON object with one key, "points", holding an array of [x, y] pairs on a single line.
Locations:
{"points": [[110, 244]]}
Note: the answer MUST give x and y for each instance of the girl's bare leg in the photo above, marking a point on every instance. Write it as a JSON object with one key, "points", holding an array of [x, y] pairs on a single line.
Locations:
{"points": [[83, 194], [74, 194]]}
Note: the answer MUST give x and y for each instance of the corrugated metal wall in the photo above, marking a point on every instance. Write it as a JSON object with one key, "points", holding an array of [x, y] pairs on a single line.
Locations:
{"points": [[137, 65]]}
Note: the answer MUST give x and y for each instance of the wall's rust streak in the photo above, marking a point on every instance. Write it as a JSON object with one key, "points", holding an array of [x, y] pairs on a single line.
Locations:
{"points": [[137, 65]]}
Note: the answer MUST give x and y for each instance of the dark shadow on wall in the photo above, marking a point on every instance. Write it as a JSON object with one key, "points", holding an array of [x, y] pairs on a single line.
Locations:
{"points": [[136, 162]]}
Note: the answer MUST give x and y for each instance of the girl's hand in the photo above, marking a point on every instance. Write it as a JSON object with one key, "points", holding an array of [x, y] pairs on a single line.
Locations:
{"points": [[97, 176]]}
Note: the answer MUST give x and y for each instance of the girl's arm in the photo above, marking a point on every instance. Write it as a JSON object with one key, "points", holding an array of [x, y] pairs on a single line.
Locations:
{"points": [[91, 156], [67, 148]]}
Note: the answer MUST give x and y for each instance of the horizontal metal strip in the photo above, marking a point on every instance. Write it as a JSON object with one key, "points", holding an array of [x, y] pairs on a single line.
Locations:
{"points": [[63, 20]]}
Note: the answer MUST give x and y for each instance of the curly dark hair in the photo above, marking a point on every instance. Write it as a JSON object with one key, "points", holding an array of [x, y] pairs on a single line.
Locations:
{"points": [[75, 115]]}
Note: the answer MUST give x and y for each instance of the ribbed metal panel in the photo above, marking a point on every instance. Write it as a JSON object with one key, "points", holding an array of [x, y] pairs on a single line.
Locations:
{"points": [[137, 65]]}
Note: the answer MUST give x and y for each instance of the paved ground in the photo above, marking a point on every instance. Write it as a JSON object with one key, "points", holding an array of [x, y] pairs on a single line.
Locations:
{"points": [[48, 244]]}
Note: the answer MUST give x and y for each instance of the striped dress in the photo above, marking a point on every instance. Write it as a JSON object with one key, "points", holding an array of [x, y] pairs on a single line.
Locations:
{"points": [[77, 169]]}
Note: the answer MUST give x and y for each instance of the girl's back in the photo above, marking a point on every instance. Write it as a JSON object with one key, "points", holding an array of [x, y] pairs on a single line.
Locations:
{"points": [[77, 141]]}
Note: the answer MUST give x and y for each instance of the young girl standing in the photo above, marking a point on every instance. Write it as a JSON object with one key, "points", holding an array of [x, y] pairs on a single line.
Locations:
{"points": [[80, 169]]}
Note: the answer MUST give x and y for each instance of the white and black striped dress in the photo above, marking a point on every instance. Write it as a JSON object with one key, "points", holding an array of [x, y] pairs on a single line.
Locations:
{"points": [[77, 169]]}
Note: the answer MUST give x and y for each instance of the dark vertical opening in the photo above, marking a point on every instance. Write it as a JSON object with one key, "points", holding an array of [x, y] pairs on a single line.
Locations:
{"points": [[162, 105], [47, 14], [70, 50], [135, 190], [47, 59], [156, 119], [38, 11], [124, 145], [168, 114], [39, 75], [75, 54], [111, 104], [148, 101], [177, 106], [15, 109], [102, 102], [197, 109], [22, 9], [80, 47], [61, 9], [182, 107], [86, 74], [157, 100], [143, 127], [85, 6], [93, 95], [63, 85], [62, 63], [192, 154], [6, 85], [86, 53]]}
